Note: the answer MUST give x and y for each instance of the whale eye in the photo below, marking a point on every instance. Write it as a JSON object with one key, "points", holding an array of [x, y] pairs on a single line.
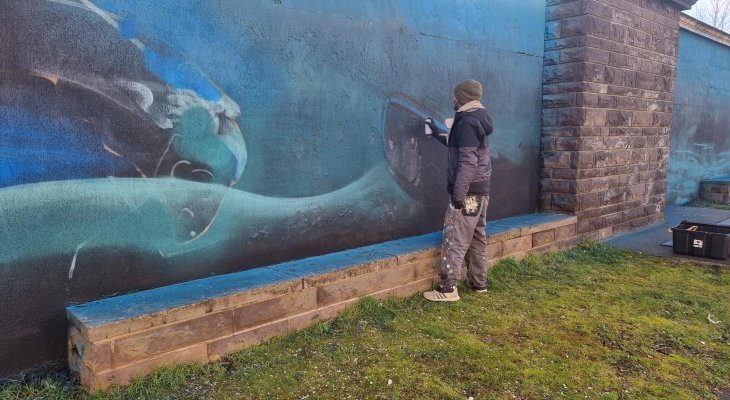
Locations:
{"points": [[227, 125]]}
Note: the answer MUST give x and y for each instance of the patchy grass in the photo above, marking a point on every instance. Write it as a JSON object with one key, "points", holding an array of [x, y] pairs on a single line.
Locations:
{"points": [[708, 204], [593, 322]]}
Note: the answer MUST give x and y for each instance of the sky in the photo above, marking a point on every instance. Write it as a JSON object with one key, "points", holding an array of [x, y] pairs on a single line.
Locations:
{"points": [[706, 3]]}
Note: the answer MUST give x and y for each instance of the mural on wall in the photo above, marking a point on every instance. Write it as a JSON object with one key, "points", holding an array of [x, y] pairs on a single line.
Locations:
{"points": [[148, 143], [700, 140]]}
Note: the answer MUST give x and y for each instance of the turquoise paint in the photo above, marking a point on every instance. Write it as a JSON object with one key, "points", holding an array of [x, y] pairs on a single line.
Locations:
{"points": [[148, 215], [316, 129], [169, 82], [321, 91], [700, 138], [197, 139]]}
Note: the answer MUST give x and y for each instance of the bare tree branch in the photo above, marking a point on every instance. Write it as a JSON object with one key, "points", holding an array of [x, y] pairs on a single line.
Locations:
{"points": [[713, 12]]}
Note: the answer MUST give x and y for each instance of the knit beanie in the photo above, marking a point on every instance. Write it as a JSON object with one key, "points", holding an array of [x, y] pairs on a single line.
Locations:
{"points": [[467, 91]]}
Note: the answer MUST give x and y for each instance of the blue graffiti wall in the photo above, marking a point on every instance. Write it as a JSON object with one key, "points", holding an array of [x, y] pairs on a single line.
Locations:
{"points": [[700, 140], [144, 143]]}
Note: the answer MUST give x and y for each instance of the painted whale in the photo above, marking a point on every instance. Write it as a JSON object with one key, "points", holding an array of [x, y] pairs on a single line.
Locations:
{"points": [[80, 99]]}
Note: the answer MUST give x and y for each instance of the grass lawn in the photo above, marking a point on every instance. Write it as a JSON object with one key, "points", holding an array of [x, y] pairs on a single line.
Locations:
{"points": [[593, 322]]}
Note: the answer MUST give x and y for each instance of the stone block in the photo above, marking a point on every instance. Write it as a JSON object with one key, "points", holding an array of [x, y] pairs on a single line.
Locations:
{"points": [[565, 232], [360, 285], [319, 279], [220, 347], [552, 30], [560, 73], [720, 187], [620, 228], [564, 174], [564, 202], [408, 289], [619, 118], [563, 10], [597, 56], [605, 233], [615, 76], [516, 245], [494, 250], [556, 159], [543, 238], [583, 227], [419, 255], [614, 219], [595, 117], [599, 8], [662, 119], [645, 81], [301, 321], [618, 60], [585, 99], [574, 54], [145, 344], [548, 144], [426, 268], [544, 200], [570, 117], [557, 245], [561, 131], [255, 314], [592, 72], [549, 116], [638, 223], [122, 376], [95, 356], [551, 57], [573, 26], [158, 307], [565, 42], [583, 159], [558, 185], [547, 226], [559, 100], [714, 197], [502, 236]]}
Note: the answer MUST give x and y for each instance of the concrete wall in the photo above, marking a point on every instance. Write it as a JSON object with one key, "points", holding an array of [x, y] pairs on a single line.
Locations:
{"points": [[700, 141], [147, 143]]}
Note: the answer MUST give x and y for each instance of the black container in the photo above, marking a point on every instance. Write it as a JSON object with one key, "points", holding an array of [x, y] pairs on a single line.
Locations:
{"points": [[701, 240]]}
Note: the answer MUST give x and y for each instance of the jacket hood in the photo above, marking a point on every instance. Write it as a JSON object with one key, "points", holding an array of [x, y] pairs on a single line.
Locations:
{"points": [[481, 115]]}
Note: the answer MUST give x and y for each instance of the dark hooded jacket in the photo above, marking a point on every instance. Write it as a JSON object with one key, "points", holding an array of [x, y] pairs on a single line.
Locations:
{"points": [[469, 165]]}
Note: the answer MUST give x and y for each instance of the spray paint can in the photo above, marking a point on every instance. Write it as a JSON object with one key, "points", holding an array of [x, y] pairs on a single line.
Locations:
{"points": [[428, 129]]}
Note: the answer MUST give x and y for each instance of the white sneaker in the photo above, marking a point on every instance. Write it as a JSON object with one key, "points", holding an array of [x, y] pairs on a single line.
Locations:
{"points": [[480, 290], [436, 295]]}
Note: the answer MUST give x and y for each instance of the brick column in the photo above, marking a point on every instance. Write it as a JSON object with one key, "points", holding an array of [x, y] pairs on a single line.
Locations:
{"points": [[608, 82]]}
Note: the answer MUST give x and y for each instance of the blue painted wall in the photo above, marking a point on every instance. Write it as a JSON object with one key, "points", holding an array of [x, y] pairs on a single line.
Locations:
{"points": [[144, 143], [700, 139]]}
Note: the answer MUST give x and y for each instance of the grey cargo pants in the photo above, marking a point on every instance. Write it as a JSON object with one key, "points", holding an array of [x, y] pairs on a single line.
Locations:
{"points": [[465, 239]]}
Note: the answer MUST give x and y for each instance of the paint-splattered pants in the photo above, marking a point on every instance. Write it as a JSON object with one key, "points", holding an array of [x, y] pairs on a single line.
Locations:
{"points": [[464, 241]]}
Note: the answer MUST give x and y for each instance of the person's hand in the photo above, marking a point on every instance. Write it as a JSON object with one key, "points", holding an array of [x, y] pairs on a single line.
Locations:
{"points": [[458, 204], [431, 124]]}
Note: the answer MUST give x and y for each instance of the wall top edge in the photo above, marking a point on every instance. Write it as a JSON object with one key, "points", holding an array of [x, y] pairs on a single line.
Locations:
{"points": [[684, 4], [708, 31]]}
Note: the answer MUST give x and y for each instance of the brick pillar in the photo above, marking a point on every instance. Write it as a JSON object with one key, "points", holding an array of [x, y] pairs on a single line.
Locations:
{"points": [[608, 82]]}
